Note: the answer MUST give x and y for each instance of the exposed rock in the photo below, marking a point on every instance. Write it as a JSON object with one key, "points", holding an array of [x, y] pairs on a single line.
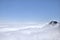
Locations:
{"points": [[53, 22]]}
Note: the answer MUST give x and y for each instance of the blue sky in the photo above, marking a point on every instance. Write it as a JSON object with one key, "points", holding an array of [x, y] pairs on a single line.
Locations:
{"points": [[29, 10]]}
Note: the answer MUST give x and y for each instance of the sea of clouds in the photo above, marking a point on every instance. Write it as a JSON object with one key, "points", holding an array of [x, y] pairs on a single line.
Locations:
{"points": [[29, 32]]}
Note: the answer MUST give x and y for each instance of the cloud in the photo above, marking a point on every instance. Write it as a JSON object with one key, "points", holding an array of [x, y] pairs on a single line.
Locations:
{"points": [[5, 27]]}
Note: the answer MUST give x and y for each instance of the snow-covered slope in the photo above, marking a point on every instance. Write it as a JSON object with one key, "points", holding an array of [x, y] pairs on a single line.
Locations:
{"points": [[50, 31]]}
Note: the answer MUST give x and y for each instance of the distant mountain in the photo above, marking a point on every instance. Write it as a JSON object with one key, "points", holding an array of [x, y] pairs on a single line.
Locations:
{"points": [[52, 25]]}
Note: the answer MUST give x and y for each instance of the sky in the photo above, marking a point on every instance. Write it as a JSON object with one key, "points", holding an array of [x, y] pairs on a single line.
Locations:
{"points": [[30, 11]]}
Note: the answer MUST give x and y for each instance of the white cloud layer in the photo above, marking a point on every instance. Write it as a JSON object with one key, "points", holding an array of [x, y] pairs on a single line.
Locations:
{"points": [[30, 32]]}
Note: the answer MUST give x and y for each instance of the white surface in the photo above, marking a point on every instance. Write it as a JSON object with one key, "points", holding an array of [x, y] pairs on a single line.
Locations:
{"points": [[46, 32]]}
